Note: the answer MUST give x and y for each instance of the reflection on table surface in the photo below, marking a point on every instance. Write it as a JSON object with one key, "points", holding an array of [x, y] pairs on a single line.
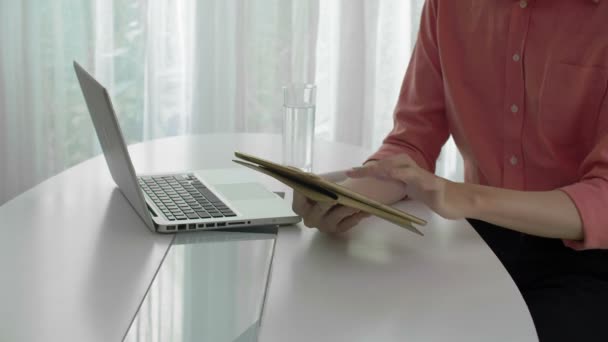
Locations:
{"points": [[210, 287]]}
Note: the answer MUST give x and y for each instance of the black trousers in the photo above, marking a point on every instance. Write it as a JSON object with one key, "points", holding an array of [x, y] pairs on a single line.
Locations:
{"points": [[566, 291]]}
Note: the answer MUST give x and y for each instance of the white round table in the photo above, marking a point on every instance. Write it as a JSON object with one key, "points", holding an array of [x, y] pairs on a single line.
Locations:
{"points": [[77, 262]]}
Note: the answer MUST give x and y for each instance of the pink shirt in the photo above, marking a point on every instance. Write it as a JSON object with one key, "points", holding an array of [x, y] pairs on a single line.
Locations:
{"points": [[521, 86]]}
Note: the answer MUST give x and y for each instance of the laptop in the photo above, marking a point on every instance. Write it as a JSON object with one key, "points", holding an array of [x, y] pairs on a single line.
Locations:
{"points": [[185, 201]]}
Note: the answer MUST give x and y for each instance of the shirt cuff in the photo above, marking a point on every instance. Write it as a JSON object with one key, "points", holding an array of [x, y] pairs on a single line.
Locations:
{"points": [[588, 197], [388, 150]]}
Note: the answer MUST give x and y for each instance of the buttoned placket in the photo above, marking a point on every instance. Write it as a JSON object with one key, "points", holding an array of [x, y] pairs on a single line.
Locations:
{"points": [[514, 109]]}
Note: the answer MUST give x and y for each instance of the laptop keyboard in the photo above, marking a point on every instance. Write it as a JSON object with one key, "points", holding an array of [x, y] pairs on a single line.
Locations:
{"points": [[183, 197]]}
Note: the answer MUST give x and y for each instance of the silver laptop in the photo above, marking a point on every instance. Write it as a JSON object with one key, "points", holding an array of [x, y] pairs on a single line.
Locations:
{"points": [[188, 201]]}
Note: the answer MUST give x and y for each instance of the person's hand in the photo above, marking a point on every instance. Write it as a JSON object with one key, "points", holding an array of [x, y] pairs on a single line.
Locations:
{"points": [[326, 217], [439, 194]]}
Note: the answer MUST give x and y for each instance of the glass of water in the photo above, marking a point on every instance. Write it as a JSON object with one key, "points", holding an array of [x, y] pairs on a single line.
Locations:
{"points": [[299, 125]]}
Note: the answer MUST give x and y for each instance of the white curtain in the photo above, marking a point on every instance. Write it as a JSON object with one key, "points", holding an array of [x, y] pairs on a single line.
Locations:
{"points": [[362, 54], [191, 67]]}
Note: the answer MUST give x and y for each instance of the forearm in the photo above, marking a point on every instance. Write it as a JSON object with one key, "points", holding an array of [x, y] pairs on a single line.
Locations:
{"points": [[549, 214]]}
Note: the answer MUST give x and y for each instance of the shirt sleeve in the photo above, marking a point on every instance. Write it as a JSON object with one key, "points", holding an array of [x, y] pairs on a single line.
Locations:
{"points": [[590, 194], [420, 126]]}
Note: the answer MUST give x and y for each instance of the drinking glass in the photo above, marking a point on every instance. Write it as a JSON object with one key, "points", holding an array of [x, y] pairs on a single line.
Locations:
{"points": [[299, 125]]}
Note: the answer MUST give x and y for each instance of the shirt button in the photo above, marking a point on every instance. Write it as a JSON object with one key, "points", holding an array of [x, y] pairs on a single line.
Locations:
{"points": [[514, 109], [513, 160], [516, 57], [523, 4]]}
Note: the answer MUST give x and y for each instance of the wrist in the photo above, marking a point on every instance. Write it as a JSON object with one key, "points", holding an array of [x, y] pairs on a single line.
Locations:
{"points": [[467, 199]]}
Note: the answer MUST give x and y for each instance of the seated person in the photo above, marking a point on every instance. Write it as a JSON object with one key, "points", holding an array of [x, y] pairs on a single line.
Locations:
{"points": [[521, 87]]}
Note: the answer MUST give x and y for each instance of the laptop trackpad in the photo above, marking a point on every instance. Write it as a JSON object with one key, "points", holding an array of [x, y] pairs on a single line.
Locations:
{"points": [[243, 191]]}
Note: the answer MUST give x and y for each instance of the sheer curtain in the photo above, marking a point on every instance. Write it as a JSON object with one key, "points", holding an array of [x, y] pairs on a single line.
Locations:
{"points": [[361, 58], [191, 67]]}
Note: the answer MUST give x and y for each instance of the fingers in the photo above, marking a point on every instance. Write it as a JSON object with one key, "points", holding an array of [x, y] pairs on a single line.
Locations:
{"points": [[310, 211], [350, 222], [377, 170], [362, 172], [332, 220], [301, 205], [326, 217], [316, 215], [405, 175], [401, 168], [334, 217], [313, 213]]}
